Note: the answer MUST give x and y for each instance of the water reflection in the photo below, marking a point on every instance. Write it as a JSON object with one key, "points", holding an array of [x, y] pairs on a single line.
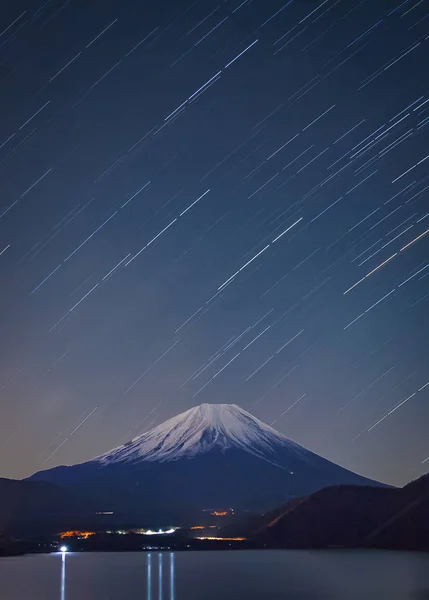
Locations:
{"points": [[166, 588], [171, 575], [159, 575], [264, 575], [159, 588], [149, 576], [63, 576]]}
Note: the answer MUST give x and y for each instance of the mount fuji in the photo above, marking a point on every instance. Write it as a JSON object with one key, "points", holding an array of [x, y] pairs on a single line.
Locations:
{"points": [[213, 456]]}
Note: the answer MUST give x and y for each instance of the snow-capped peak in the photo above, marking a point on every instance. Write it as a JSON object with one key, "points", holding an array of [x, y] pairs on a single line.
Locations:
{"points": [[198, 430]]}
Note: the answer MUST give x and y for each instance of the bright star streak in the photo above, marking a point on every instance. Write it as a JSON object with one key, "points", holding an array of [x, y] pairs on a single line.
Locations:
{"points": [[286, 230], [241, 54], [370, 273], [193, 203], [415, 240]]}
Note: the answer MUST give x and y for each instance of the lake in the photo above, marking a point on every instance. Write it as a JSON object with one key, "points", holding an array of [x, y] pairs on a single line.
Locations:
{"points": [[233, 575]]}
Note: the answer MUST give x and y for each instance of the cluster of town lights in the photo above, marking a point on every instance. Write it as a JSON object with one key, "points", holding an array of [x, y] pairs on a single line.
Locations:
{"points": [[159, 532], [87, 534]]}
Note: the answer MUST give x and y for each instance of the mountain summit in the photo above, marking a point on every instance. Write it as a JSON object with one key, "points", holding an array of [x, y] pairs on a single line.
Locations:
{"points": [[211, 456], [202, 429]]}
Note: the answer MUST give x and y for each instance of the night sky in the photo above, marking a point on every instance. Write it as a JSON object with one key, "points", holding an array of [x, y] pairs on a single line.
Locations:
{"points": [[217, 201]]}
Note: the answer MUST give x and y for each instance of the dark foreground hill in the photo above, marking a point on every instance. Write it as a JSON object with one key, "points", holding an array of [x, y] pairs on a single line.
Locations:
{"points": [[29, 506], [353, 516]]}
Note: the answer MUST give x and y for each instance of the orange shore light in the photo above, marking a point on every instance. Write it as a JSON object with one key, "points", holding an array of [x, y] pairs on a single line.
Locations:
{"points": [[79, 534]]}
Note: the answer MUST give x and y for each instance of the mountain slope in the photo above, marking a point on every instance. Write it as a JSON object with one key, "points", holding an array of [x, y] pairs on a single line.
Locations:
{"points": [[211, 456], [408, 527], [353, 516]]}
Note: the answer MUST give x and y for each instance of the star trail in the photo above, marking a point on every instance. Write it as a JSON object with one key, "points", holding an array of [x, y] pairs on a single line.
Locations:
{"points": [[213, 202]]}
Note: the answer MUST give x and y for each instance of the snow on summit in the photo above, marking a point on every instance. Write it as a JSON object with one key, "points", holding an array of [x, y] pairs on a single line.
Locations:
{"points": [[199, 430]]}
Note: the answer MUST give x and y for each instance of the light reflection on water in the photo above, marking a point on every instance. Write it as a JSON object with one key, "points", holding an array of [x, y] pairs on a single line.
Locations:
{"points": [[149, 578], [159, 576], [249, 575], [171, 575], [63, 576]]}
